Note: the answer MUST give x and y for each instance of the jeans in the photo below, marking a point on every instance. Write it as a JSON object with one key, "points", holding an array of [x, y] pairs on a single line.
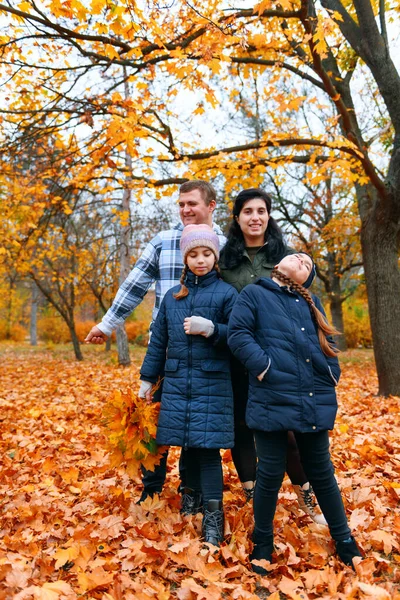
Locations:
{"points": [[153, 481], [271, 466], [204, 465], [244, 452]]}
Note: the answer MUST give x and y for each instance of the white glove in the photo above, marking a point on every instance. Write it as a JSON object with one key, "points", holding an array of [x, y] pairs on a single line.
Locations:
{"points": [[145, 388], [198, 326]]}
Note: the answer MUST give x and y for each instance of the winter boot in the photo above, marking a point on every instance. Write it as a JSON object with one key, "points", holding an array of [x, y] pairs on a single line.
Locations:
{"points": [[191, 502], [347, 550], [308, 503], [262, 550], [248, 493], [213, 523]]}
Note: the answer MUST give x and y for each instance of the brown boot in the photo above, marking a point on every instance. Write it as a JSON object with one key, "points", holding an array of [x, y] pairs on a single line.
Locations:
{"points": [[308, 503]]}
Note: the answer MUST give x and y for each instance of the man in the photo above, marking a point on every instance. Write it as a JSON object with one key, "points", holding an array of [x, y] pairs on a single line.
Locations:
{"points": [[161, 262]]}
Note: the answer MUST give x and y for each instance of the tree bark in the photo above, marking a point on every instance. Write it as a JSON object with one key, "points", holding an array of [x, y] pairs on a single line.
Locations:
{"points": [[124, 358], [379, 241], [33, 319], [336, 306], [75, 341]]}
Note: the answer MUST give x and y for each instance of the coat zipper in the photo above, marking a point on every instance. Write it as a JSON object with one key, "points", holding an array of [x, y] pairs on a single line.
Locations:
{"points": [[187, 420]]}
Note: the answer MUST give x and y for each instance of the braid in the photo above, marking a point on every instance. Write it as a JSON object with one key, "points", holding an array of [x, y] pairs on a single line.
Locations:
{"points": [[216, 267], [183, 292], [324, 328]]}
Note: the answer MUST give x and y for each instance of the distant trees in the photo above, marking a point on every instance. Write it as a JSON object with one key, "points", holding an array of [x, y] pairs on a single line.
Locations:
{"points": [[65, 67]]}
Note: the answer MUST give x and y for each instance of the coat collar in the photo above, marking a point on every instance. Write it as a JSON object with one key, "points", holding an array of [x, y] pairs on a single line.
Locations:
{"points": [[267, 283], [202, 281]]}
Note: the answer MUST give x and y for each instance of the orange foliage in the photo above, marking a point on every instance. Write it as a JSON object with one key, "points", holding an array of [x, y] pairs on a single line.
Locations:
{"points": [[131, 427], [356, 324], [138, 332], [53, 329], [18, 333], [71, 526]]}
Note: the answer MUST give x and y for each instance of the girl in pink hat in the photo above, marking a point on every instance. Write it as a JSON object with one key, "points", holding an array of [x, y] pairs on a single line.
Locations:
{"points": [[188, 346]]}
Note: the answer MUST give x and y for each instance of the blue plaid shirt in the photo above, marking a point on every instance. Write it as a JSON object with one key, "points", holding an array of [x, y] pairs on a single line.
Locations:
{"points": [[161, 262]]}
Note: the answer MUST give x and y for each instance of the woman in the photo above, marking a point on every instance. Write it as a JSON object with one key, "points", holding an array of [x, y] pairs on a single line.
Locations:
{"points": [[254, 246]]}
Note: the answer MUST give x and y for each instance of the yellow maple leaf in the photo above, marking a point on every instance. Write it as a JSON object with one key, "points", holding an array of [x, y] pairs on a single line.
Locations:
{"points": [[65, 555]]}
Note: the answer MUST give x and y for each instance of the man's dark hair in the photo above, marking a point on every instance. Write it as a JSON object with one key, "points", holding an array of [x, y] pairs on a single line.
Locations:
{"points": [[206, 190]]}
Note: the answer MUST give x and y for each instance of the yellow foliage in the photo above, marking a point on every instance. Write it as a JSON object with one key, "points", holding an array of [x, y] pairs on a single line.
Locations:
{"points": [[356, 324], [18, 333], [131, 427], [53, 329]]}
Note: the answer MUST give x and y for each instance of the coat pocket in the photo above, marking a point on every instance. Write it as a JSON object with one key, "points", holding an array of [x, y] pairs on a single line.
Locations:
{"points": [[335, 380], [171, 364]]}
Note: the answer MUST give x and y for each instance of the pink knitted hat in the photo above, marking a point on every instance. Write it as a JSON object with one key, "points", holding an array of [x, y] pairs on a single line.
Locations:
{"points": [[194, 236]]}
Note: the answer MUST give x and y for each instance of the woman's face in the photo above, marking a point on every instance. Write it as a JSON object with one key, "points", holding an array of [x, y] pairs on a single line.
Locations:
{"points": [[253, 221], [296, 266]]}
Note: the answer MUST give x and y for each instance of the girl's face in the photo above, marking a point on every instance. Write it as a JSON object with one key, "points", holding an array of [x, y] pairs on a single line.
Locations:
{"points": [[253, 221], [296, 266], [200, 260]]}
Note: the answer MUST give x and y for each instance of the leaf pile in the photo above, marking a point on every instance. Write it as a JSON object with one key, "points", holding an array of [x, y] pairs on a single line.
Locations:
{"points": [[131, 425], [71, 526]]}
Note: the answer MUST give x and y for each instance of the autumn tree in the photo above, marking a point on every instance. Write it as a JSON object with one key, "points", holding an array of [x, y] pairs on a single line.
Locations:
{"points": [[203, 48], [323, 220]]}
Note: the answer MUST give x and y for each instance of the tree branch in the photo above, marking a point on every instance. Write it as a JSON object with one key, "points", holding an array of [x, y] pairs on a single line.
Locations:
{"points": [[277, 63]]}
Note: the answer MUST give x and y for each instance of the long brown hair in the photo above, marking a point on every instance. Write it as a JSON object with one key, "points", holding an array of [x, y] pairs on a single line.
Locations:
{"points": [[183, 292], [324, 328]]}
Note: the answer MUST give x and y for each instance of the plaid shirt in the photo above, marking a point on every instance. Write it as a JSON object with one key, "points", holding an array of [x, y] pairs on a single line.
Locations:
{"points": [[161, 262]]}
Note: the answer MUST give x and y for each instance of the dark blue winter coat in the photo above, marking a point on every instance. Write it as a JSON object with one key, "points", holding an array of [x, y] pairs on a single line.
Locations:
{"points": [[271, 328], [196, 402]]}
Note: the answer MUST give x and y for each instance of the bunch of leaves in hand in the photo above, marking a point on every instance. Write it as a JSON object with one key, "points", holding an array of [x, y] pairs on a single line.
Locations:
{"points": [[131, 427]]}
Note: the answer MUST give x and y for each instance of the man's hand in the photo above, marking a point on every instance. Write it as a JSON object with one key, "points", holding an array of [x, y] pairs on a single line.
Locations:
{"points": [[145, 390], [198, 326], [96, 336]]}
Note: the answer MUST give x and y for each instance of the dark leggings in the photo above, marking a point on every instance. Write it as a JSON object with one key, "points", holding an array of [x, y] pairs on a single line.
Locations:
{"points": [[204, 465], [244, 452], [271, 466]]}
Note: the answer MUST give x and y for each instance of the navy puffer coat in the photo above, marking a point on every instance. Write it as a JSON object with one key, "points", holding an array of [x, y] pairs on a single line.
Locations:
{"points": [[271, 328], [196, 402]]}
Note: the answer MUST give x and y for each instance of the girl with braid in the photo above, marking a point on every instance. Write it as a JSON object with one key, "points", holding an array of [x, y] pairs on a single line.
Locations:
{"points": [[189, 344], [279, 332]]}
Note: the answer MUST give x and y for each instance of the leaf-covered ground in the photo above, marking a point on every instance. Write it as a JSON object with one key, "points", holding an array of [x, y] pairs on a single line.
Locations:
{"points": [[71, 528]]}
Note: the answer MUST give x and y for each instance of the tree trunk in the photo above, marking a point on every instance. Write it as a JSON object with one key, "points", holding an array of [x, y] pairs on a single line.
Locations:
{"points": [[75, 342], [124, 358], [108, 344], [379, 241], [125, 250], [10, 308], [33, 319], [336, 306]]}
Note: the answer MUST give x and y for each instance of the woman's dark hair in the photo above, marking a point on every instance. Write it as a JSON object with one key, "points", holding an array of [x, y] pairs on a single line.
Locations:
{"points": [[232, 252]]}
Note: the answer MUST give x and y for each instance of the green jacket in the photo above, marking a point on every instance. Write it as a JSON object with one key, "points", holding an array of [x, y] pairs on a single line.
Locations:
{"points": [[247, 272]]}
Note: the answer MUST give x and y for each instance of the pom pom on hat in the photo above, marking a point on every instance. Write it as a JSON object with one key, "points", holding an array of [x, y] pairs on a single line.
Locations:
{"points": [[194, 236]]}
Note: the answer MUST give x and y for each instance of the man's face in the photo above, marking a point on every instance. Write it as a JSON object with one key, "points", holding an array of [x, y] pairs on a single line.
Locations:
{"points": [[193, 210]]}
